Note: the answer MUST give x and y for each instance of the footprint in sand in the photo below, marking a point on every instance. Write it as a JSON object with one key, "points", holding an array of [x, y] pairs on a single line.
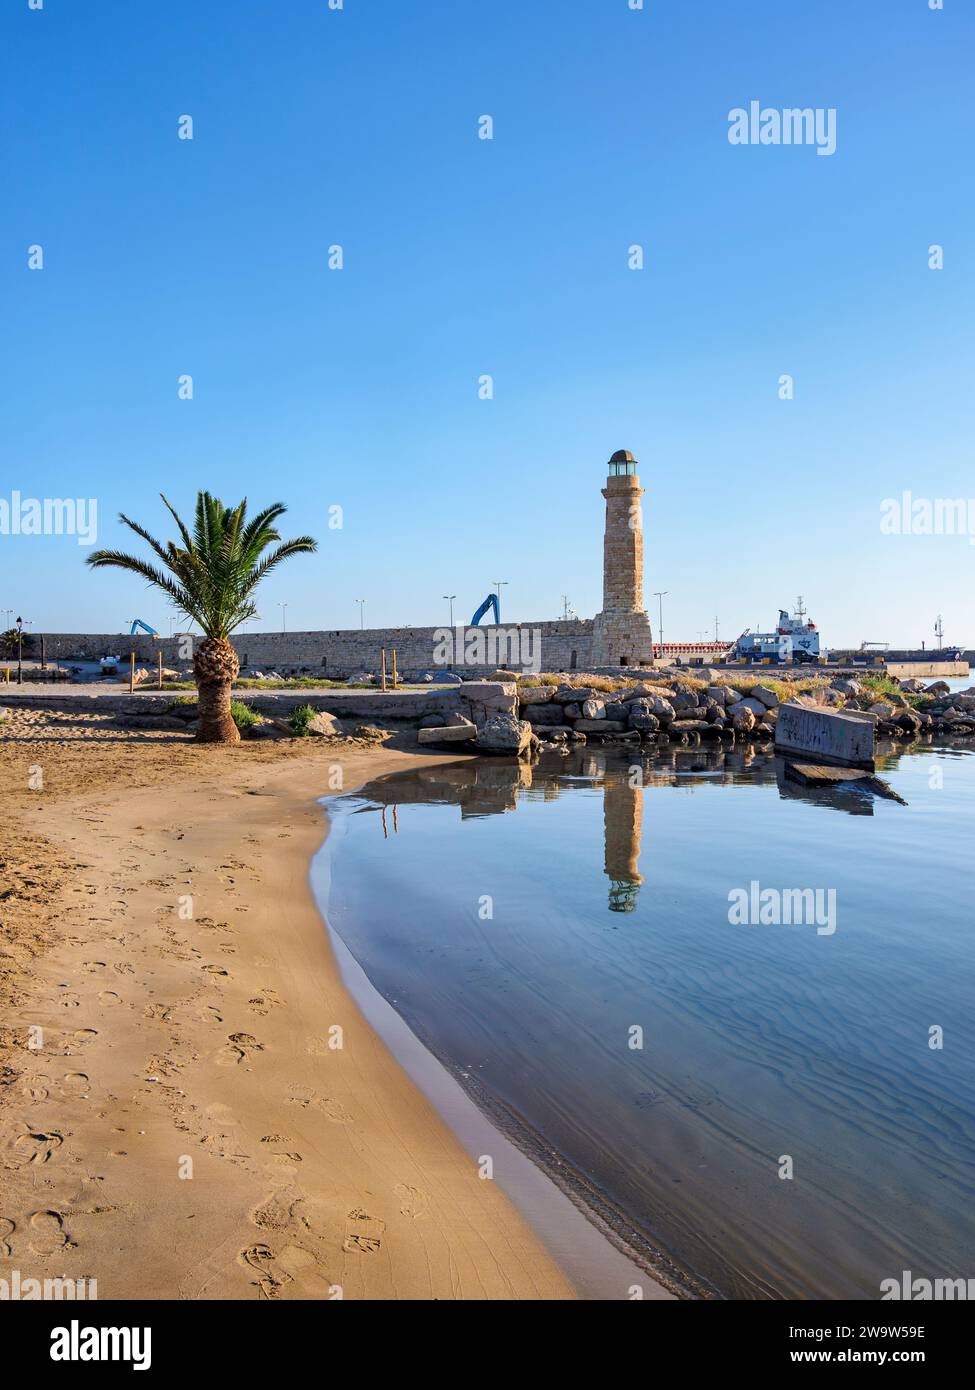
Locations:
{"points": [[160, 1012], [75, 1083], [264, 1002], [363, 1233], [240, 1047], [36, 1146], [277, 1213], [47, 1233], [94, 966], [81, 1036], [109, 998], [215, 970], [7, 1228], [412, 1199], [272, 1280], [334, 1110]]}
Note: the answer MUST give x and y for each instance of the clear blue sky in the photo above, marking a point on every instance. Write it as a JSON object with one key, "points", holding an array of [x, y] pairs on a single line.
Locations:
{"points": [[508, 257]]}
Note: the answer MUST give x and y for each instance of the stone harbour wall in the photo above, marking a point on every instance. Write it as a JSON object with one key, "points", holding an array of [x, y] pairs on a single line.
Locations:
{"points": [[337, 654]]}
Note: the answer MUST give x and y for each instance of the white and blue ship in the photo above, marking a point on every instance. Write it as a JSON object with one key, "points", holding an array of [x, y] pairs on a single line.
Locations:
{"points": [[795, 639]]}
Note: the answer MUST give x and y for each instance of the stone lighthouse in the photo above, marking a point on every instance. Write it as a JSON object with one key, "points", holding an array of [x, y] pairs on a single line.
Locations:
{"points": [[621, 632]]}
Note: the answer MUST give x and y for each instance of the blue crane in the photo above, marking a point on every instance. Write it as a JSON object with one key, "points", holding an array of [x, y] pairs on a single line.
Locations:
{"points": [[490, 602], [137, 622]]}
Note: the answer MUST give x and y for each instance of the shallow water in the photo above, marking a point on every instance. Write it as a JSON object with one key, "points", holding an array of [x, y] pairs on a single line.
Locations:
{"points": [[524, 921]]}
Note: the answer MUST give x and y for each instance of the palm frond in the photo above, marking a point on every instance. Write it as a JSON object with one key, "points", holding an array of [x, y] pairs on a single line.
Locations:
{"points": [[212, 576]]}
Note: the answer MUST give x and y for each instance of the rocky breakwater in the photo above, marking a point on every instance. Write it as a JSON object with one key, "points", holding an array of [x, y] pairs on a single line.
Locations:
{"points": [[679, 712], [913, 709], [519, 719], [486, 721]]}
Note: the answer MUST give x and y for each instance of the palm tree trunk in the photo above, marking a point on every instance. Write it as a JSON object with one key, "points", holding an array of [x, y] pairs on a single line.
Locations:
{"points": [[215, 668], [216, 723]]}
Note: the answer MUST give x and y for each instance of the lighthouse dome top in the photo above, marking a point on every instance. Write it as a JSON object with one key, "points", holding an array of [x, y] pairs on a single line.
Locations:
{"points": [[622, 464]]}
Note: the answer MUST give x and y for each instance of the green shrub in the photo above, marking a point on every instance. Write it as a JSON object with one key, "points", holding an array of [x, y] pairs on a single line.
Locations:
{"points": [[242, 715], [301, 717], [883, 686]]}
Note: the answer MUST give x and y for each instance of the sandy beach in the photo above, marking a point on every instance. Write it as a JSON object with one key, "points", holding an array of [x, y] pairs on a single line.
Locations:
{"points": [[178, 1121]]}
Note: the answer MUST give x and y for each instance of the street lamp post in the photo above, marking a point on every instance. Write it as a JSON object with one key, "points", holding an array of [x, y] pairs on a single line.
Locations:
{"points": [[660, 595], [20, 651], [450, 598], [284, 616], [361, 603], [499, 584]]}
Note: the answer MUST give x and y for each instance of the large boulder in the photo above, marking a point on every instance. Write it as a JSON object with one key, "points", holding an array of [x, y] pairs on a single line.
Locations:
{"points": [[482, 700], [645, 691], [754, 706], [574, 694], [641, 716], [535, 694], [662, 708], [541, 715], [684, 702], [594, 709], [848, 687], [438, 738], [743, 719], [503, 733], [767, 697], [324, 725]]}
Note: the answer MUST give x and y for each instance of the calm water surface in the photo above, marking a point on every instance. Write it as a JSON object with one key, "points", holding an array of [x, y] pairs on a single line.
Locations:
{"points": [[610, 912]]}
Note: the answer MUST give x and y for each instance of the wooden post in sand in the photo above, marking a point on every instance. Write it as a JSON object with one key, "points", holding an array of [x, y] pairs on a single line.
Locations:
{"points": [[160, 671], [131, 673], [384, 668], [394, 668]]}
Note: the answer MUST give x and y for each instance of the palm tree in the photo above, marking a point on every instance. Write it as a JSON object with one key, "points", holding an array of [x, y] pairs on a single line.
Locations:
{"points": [[211, 578]]}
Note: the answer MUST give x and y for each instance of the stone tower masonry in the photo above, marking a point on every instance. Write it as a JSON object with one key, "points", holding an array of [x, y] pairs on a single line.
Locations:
{"points": [[621, 632]]}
